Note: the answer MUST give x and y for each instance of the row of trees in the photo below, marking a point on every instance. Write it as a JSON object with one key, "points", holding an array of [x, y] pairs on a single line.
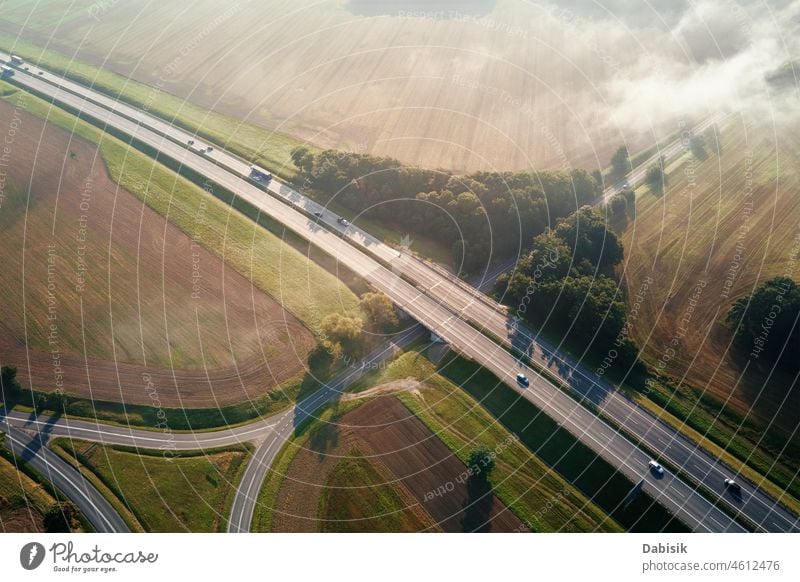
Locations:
{"points": [[565, 283], [475, 215]]}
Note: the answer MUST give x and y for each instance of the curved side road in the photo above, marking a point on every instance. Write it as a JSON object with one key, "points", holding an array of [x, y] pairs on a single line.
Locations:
{"points": [[33, 450], [28, 434]]}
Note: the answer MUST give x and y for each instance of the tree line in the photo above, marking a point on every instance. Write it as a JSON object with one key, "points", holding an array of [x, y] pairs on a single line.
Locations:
{"points": [[482, 216], [566, 284]]}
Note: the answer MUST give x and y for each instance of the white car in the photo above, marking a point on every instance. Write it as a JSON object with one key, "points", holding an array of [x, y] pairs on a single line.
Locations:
{"points": [[656, 467]]}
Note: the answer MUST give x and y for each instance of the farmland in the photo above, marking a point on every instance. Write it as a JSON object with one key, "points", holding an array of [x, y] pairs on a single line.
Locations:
{"points": [[452, 421], [722, 226], [384, 462], [505, 87], [83, 259], [183, 492]]}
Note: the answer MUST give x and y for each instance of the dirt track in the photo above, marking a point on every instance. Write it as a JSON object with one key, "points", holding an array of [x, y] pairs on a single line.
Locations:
{"points": [[152, 302]]}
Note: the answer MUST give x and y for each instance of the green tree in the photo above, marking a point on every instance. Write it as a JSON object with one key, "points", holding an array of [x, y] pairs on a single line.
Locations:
{"points": [[656, 178], [379, 310], [481, 462], [303, 159], [620, 163], [767, 323], [343, 331], [619, 205], [10, 388], [697, 144], [62, 517], [587, 235], [56, 401]]}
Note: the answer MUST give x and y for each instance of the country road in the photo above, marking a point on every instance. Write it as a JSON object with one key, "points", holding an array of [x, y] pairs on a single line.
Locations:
{"points": [[470, 321]]}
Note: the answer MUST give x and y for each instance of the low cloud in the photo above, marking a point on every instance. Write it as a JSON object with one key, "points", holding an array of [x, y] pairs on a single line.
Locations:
{"points": [[717, 57]]}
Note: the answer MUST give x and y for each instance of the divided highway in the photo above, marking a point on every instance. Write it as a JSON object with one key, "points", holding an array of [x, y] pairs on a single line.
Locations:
{"points": [[449, 306]]}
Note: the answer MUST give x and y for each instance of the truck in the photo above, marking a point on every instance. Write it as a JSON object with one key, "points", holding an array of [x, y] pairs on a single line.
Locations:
{"points": [[16, 61], [6, 72], [259, 174]]}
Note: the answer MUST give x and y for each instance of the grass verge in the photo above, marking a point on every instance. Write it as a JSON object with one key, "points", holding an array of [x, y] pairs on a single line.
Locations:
{"points": [[187, 491]]}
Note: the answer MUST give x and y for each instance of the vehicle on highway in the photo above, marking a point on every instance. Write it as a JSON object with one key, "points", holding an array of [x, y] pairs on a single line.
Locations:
{"points": [[318, 214], [656, 467], [6, 72], [209, 149], [522, 379], [40, 73], [16, 61], [190, 142], [259, 174], [732, 485], [343, 221]]}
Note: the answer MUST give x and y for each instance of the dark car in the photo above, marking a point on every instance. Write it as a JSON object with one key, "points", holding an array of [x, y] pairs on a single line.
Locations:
{"points": [[522, 379], [732, 486]]}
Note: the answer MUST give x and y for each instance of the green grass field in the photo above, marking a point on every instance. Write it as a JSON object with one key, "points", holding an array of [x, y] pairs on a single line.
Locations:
{"points": [[355, 492], [183, 492], [304, 288], [253, 143]]}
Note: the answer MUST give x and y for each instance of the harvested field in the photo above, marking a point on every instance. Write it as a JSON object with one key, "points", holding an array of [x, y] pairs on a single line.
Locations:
{"points": [[107, 299], [482, 85], [385, 442], [723, 226]]}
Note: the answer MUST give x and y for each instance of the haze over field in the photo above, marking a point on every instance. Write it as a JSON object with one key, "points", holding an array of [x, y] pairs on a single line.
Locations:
{"points": [[475, 85]]}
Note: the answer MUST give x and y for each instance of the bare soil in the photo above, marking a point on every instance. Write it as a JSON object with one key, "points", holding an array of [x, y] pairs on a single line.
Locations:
{"points": [[107, 299]]}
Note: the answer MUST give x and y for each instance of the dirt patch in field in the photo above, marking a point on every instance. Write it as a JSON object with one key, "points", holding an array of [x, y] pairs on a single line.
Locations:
{"points": [[107, 299], [405, 385], [407, 455]]}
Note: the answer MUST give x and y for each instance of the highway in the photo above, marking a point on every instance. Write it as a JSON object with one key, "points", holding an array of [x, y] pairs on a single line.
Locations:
{"points": [[443, 303]]}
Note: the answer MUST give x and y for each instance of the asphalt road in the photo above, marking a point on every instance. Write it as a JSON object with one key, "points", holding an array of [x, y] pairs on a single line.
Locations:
{"points": [[32, 448], [442, 303], [28, 434]]}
